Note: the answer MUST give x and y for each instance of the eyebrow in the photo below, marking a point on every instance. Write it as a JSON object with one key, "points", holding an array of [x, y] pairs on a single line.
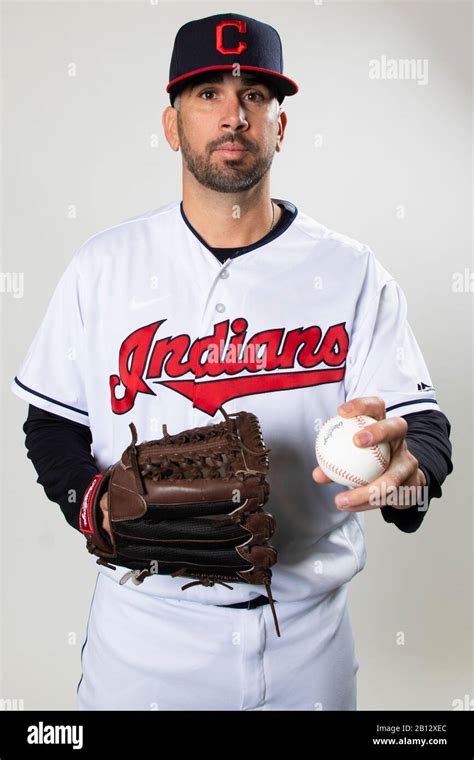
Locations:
{"points": [[218, 79]]}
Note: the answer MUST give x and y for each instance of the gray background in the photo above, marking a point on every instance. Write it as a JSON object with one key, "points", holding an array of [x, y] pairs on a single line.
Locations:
{"points": [[79, 156]]}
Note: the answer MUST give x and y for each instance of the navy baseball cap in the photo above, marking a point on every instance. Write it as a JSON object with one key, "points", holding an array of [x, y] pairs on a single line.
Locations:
{"points": [[218, 43]]}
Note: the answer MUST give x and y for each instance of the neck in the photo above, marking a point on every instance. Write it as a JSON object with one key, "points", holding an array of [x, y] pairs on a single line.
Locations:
{"points": [[230, 220]]}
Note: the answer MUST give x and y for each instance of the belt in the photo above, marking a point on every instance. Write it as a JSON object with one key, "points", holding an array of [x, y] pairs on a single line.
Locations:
{"points": [[249, 605]]}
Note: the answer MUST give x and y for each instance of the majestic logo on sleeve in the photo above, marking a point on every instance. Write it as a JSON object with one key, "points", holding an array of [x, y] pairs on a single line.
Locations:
{"points": [[227, 364]]}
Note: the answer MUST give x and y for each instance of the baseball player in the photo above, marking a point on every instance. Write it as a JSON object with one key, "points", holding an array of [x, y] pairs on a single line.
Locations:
{"points": [[230, 296]]}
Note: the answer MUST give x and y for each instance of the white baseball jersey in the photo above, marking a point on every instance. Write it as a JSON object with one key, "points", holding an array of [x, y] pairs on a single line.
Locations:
{"points": [[146, 325]]}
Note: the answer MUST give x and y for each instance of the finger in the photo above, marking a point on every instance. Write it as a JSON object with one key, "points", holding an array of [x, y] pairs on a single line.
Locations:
{"points": [[399, 472], [391, 429], [106, 524], [360, 508], [352, 498], [408, 494], [320, 477], [372, 406]]}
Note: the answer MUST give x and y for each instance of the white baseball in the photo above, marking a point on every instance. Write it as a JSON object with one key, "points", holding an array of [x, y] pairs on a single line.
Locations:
{"points": [[345, 462]]}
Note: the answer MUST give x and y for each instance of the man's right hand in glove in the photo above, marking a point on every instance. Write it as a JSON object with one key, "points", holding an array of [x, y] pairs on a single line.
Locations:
{"points": [[104, 505]]}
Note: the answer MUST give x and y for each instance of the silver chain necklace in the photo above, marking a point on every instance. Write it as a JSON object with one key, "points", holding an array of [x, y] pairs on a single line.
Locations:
{"points": [[273, 217]]}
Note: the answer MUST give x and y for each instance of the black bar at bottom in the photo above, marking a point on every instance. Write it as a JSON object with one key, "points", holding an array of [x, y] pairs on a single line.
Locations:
{"points": [[132, 733]]}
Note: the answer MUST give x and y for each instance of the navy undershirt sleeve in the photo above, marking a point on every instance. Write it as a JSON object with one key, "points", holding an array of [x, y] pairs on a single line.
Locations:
{"points": [[60, 450], [428, 440]]}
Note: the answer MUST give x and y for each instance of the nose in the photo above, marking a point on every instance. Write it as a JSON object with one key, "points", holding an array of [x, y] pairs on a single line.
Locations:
{"points": [[233, 113]]}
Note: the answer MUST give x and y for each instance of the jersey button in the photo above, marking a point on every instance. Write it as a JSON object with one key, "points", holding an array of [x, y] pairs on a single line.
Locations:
{"points": [[220, 307], [225, 274]]}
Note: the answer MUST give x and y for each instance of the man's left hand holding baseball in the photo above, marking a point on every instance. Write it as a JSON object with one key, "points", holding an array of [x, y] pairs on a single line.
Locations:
{"points": [[403, 469]]}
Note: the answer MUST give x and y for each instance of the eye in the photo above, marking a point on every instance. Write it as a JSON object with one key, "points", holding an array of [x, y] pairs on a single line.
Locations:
{"points": [[257, 97], [259, 94], [204, 92]]}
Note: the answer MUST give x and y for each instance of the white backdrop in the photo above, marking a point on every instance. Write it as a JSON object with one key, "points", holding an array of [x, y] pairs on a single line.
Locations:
{"points": [[386, 161]]}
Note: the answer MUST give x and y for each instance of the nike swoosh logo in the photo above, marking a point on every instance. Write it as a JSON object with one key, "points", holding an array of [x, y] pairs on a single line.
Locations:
{"points": [[134, 304]]}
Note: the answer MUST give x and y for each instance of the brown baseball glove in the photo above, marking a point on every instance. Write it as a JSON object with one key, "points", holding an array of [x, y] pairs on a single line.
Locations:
{"points": [[189, 505]]}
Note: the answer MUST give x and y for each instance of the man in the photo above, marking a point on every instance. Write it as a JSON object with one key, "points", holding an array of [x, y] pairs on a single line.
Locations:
{"points": [[231, 296]]}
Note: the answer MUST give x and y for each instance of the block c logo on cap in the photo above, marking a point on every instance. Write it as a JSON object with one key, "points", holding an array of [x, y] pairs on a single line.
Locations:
{"points": [[241, 26]]}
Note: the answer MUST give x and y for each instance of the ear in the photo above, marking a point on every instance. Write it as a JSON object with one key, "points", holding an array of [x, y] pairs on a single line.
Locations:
{"points": [[282, 122], [169, 120]]}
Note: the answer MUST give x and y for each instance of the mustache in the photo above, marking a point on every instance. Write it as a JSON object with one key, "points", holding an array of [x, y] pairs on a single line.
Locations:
{"points": [[242, 143]]}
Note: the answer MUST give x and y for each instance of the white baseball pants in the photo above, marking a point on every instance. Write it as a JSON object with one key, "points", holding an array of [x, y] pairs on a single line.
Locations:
{"points": [[143, 652]]}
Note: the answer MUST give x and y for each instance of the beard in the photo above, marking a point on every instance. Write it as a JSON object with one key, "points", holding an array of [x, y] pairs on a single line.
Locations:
{"points": [[231, 176]]}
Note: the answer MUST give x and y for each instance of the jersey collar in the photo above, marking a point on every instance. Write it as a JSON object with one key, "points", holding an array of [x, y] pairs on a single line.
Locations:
{"points": [[263, 241]]}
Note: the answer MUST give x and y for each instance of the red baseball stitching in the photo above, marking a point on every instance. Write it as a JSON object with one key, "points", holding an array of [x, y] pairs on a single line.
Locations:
{"points": [[339, 471], [374, 449], [344, 473]]}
